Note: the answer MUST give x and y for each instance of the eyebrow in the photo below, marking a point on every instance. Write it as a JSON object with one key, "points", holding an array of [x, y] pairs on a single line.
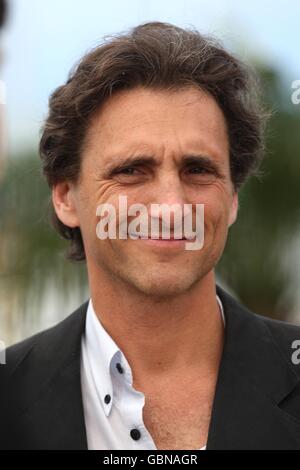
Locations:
{"points": [[149, 160]]}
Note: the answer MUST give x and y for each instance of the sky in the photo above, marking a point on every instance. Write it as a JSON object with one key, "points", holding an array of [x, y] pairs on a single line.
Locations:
{"points": [[44, 39]]}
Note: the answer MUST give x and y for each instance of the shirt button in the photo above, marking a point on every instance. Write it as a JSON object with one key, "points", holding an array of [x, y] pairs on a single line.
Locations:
{"points": [[107, 399], [135, 434], [119, 367]]}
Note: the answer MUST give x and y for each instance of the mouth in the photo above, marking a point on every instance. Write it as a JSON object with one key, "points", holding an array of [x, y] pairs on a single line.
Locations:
{"points": [[161, 242], [160, 237]]}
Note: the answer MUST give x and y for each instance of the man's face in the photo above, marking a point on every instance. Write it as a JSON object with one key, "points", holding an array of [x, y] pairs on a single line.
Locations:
{"points": [[169, 127]]}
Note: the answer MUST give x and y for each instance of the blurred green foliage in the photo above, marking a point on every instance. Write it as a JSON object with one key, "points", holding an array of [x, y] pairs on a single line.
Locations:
{"points": [[259, 262], [31, 253]]}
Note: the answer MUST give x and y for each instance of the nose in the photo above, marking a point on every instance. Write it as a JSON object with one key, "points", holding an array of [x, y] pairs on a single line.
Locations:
{"points": [[169, 199], [169, 189]]}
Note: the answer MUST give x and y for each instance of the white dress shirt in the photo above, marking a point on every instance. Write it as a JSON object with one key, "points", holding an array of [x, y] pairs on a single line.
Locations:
{"points": [[113, 409]]}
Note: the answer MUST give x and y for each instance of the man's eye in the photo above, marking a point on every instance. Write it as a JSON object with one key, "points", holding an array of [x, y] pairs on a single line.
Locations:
{"points": [[199, 170], [127, 171], [202, 175]]}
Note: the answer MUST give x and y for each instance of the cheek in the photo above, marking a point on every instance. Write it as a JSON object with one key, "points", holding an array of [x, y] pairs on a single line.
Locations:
{"points": [[92, 194], [216, 214], [106, 190], [86, 208]]}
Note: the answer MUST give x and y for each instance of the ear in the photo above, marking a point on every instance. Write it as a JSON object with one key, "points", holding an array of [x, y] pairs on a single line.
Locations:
{"points": [[233, 209], [64, 204]]}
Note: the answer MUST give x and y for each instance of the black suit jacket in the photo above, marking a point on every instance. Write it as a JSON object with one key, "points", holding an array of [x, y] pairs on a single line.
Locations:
{"points": [[256, 404]]}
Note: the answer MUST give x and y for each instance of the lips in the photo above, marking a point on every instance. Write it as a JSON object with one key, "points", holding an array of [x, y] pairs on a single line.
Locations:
{"points": [[171, 238]]}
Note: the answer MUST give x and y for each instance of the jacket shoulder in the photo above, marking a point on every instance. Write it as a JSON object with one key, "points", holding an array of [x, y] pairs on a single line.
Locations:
{"points": [[282, 330], [45, 341], [287, 338], [31, 369], [284, 335]]}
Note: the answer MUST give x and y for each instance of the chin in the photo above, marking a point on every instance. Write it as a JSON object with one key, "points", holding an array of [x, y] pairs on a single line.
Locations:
{"points": [[164, 287]]}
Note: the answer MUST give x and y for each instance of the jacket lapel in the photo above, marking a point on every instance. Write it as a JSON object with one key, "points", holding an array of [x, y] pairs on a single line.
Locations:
{"points": [[253, 379]]}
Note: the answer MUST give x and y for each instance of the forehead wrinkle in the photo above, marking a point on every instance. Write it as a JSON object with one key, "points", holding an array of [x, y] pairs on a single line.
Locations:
{"points": [[110, 127], [115, 155]]}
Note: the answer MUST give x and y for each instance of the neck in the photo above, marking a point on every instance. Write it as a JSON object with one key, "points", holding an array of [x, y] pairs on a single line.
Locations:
{"points": [[159, 337]]}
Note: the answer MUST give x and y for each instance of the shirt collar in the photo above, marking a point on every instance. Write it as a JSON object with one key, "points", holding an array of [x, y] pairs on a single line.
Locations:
{"points": [[103, 354], [221, 309]]}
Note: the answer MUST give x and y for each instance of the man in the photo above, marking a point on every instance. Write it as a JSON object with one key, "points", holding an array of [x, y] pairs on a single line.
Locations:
{"points": [[160, 357]]}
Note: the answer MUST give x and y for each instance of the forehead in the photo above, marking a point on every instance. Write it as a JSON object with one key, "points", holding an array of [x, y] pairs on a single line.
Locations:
{"points": [[144, 118]]}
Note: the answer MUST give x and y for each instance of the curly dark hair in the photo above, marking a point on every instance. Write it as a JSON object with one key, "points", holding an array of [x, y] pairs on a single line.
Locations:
{"points": [[159, 56]]}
